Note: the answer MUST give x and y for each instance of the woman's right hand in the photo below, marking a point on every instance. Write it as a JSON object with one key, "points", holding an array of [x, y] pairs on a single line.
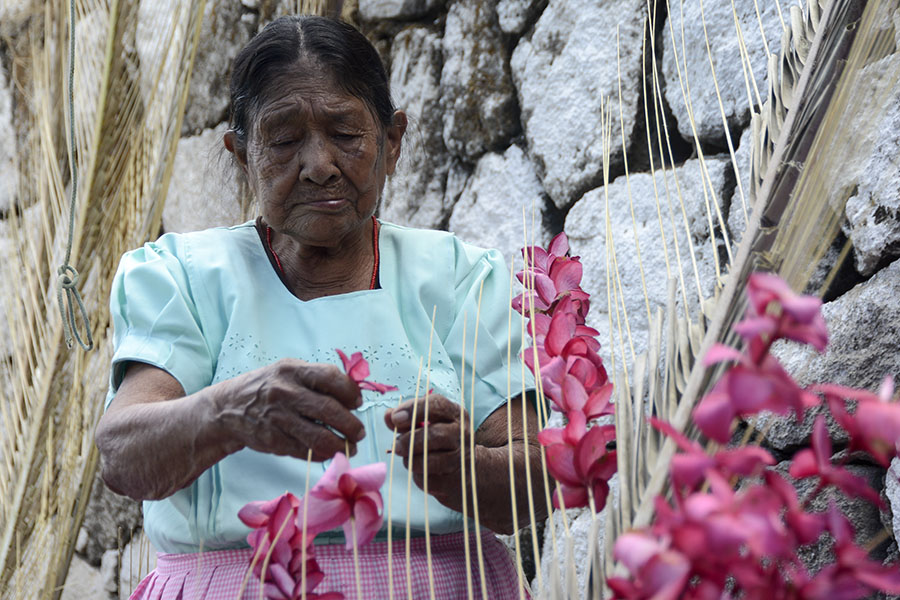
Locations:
{"points": [[155, 440], [289, 408]]}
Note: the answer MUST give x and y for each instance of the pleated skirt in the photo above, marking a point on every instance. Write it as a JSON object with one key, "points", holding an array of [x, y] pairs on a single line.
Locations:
{"points": [[223, 574]]}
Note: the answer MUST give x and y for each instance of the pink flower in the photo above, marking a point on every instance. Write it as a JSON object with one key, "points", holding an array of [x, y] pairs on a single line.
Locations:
{"points": [[279, 538], [349, 498], [853, 575], [816, 462], [552, 274], [800, 319], [747, 389], [875, 427], [689, 467], [357, 368], [582, 468], [657, 571]]}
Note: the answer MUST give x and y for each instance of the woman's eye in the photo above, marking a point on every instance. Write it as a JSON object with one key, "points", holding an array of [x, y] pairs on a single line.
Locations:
{"points": [[284, 142], [345, 136]]}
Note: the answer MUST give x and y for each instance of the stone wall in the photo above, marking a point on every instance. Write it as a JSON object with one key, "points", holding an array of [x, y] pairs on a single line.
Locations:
{"points": [[508, 103]]}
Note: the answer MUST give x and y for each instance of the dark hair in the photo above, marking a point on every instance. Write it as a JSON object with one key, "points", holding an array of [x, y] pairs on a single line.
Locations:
{"points": [[351, 59]]}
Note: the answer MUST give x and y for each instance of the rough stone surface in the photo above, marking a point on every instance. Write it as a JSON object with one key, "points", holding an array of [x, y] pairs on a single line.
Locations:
{"points": [[737, 217], [489, 212], [863, 328], [109, 520], [514, 15], [414, 194], [202, 192], [371, 10], [586, 228], [8, 148], [575, 546], [564, 73], [873, 212], [138, 559], [863, 515], [726, 59], [109, 572], [223, 34], [478, 98], [892, 491], [83, 581]]}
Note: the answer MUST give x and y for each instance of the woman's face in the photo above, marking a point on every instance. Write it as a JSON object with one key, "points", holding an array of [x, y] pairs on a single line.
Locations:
{"points": [[316, 158]]}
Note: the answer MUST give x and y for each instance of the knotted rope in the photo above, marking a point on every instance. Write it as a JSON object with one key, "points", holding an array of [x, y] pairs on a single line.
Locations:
{"points": [[67, 281]]}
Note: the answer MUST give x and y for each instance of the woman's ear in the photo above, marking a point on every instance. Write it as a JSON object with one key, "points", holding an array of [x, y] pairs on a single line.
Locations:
{"points": [[394, 139], [237, 149]]}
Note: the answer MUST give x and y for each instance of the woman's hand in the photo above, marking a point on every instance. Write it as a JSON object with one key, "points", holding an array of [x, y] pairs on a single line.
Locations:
{"points": [[448, 427], [154, 440], [446, 423], [291, 407]]}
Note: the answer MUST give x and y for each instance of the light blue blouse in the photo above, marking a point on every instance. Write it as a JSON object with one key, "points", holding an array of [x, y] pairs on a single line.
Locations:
{"points": [[208, 306]]}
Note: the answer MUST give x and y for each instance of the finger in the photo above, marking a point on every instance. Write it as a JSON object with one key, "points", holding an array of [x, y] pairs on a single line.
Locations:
{"points": [[441, 437], [440, 465], [440, 410], [300, 437], [305, 404], [330, 381]]}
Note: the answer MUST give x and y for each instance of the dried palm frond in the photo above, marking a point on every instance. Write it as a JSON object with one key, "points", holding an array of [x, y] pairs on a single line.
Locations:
{"points": [[820, 79], [131, 79]]}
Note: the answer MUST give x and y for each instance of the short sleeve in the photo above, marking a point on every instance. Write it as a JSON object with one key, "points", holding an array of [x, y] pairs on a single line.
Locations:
{"points": [[155, 318], [482, 292]]}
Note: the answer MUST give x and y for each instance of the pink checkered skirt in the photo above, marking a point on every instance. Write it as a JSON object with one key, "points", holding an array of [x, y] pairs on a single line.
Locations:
{"points": [[220, 575]]}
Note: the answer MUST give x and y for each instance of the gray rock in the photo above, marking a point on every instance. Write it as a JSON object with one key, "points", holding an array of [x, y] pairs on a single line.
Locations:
{"points": [[110, 520], [863, 515], [83, 581], [863, 327], [690, 48], [202, 192], [414, 194], [489, 212], [373, 10], [565, 73], [739, 211], [586, 228], [8, 170], [221, 37], [892, 491], [138, 559], [573, 549], [514, 15], [873, 213], [109, 572], [478, 98]]}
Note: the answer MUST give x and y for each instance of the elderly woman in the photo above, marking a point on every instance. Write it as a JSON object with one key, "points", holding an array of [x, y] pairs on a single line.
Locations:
{"points": [[224, 378]]}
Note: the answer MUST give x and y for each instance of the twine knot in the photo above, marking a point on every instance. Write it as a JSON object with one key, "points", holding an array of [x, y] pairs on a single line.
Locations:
{"points": [[67, 282]]}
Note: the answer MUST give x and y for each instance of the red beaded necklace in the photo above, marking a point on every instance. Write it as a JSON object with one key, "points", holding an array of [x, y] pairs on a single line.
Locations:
{"points": [[374, 251]]}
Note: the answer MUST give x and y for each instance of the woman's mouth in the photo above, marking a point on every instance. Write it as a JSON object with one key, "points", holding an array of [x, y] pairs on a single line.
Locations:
{"points": [[328, 204]]}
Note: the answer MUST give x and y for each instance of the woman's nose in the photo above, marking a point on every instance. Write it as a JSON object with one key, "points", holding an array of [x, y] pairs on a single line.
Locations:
{"points": [[317, 161]]}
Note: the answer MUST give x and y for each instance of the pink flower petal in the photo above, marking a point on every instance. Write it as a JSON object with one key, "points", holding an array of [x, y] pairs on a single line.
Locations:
{"points": [[376, 387], [561, 464], [571, 497], [369, 477], [714, 414], [721, 353], [559, 245], [323, 515], [756, 326], [566, 274]]}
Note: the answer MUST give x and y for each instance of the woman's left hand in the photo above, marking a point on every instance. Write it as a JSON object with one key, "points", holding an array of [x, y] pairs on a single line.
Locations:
{"points": [[447, 427], [450, 441]]}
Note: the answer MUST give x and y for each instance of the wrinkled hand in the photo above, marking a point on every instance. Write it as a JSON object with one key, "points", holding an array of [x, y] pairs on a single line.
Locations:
{"points": [[291, 407], [443, 432]]}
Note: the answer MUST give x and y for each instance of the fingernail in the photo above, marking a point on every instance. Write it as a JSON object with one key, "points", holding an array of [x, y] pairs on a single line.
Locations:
{"points": [[400, 416]]}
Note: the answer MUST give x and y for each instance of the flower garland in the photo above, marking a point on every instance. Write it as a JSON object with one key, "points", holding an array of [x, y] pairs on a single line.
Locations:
{"points": [[712, 541]]}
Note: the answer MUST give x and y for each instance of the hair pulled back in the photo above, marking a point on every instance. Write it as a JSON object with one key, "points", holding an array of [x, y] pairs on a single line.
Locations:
{"points": [[333, 44]]}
